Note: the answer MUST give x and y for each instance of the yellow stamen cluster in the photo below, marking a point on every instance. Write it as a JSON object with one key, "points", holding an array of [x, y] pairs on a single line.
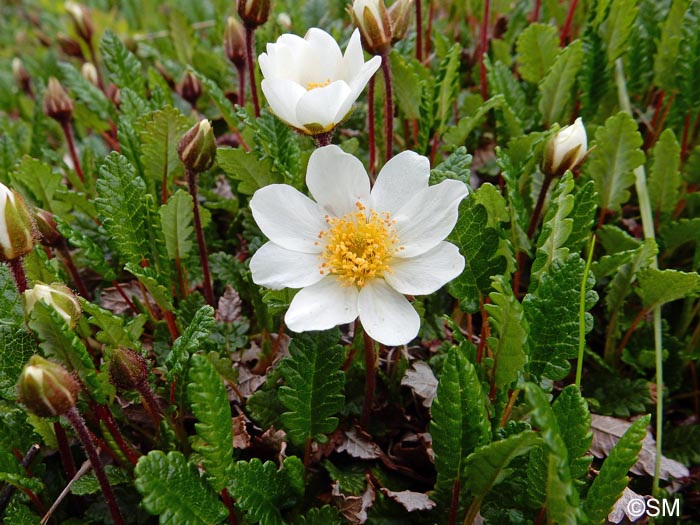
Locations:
{"points": [[359, 246], [314, 85]]}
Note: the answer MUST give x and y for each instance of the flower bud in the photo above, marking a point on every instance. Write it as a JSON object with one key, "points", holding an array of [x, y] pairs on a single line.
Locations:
{"points": [[254, 13], [566, 149], [48, 229], [114, 94], [70, 46], [21, 75], [234, 42], [128, 370], [56, 295], [284, 21], [17, 228], [190, 88], [197, 149], [57, 103], [400, 16], [81, 20], [89, 72], [372, 18], [47, 389]]}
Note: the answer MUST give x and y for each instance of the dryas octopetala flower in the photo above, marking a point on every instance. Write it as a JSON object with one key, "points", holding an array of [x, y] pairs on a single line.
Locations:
{"points": [[566, 149], [355, 251], [309, 83], [372, 18], [59, 297], [17, 228], [46, 388]]}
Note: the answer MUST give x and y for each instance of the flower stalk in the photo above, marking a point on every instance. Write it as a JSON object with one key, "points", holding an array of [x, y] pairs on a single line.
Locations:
{"points": [[17, 269], [388, 107], [201, 242], [250, 47], [370, 380]]}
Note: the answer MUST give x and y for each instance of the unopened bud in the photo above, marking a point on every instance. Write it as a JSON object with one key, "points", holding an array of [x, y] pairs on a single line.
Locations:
{"points": [[565, 150], [254, 13], [17, 228], [190, 88], [89, 72], [47, 389], [284, 21], [56, 295], [372, 18], [57, 103], [48, 229], [21, 75], [128, 370], [234, 42], [114, 94], [400, 16], [82, 21], [197, 149], [70, 46]]}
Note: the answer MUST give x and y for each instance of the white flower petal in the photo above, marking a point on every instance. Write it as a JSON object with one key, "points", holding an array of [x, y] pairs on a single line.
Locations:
{"points": [[288, 218], [386, 315], [424, 274], [359, 81], [354, 58], [337, 180], [404, 176], [276, 267], [320, 105], [322, 306], [283, 96], [428, 217], [324, 58]]}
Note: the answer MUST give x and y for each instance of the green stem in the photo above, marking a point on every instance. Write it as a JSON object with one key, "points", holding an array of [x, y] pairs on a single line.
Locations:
{"points": [[645, 211], [582, 314]]}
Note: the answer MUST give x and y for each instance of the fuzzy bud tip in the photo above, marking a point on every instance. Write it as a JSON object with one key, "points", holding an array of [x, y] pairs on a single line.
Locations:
{"points": [[17, 228], [57, 296], [128, 369], [46, 388], [57, 103], [254, 13], [197, 149]]}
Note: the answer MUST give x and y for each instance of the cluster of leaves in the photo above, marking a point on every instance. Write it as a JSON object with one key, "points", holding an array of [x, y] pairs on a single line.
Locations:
{"points": [[479, 418]]}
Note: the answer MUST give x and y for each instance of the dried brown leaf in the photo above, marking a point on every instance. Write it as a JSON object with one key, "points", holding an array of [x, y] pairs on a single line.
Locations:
{"points": [[411, 501], [621, 507], [241, 438], [229, 309], [358, 445], [421, 379], [222, 188], [353, 508], [112, 300], [276, 440]]}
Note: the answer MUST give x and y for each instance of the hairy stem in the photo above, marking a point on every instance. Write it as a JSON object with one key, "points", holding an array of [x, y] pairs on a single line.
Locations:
{"points": [[566, 29], [73, 270], [370, 380], [150, 403], [17, 269], [241, 86], [419, 30], [203, 257], [535, 219], [64, 450], [70, 140], [388, 107], [372, 137], [79, 425], [250, 51], [323, 139]]}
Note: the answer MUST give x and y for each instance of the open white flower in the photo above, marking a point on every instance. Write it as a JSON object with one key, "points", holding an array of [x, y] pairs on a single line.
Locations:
{"points": [[308, 82], [356, 252]]}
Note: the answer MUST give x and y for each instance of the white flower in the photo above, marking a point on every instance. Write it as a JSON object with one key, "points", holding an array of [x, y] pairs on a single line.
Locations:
{"points": [[356, 252], [567, 149], [309, 84]]}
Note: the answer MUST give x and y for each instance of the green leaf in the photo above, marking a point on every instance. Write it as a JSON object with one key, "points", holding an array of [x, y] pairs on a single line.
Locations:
{"points": [[460, 422], [214, 431], [124, 68], [174, 491], [313, 393], [325, 515], [617, 27], [263, 491], [281, 145], [611, 163], [8, 157], [196, 333], [553, 316], [537, 47], [502, 81], [479, 244], [406, 83], [657, 287], [612, 479], [160, 132], [677, 233], [574, 419], [10, 301], [447, 86], [177, 218], [151, 279], [507, 320], [222, 103], [583, 215], [688, 60], [265, 408], [665, 71], [121, 209], [18, 346], [88, 483], [247, 169], [90, 250], [561, 497], [456, 167], [41, 183], [457, 135], [555, 88], [664, 175], [82, 90], [60, 341], [112, 331]]}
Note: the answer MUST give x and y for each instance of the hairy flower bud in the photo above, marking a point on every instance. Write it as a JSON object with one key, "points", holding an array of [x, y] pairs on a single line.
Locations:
{"points": [[128, 370], [190, 88], [48, 229], [566, 149], [89, 72], [56, 295], [70, 46], [47, 389], [81, 20], [254, 13], [400, 15], [17, 228], [372, 18], [234, 42], [197, 149], [57, 103], [21, 75]]}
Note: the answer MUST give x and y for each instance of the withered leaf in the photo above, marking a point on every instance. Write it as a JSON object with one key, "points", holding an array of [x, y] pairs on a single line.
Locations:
{"points": [[241, 438], [412, 501], [229, 309], [358, 445], [421, 379], [620, 509], [353, 508]]}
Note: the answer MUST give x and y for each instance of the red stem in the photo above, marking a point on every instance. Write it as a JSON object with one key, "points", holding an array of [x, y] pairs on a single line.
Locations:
{"points": [[535, 15], [70, 139], [228, 501], [123, 295], [18, 272], [454, 503], [151, 404], [535, 219], [419, 30], [652, 125], [241, 86], [371, 130], [684, 141], [564, 35], [73, 270], [64, 450], [250, 48], [104, 414], [483, 47], [431, 15], [388, 107], [370, 380], [631, 329], [203, 257]]}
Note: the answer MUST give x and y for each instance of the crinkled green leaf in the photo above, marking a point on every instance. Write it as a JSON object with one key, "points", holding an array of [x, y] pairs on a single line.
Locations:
{"points": [[657, 287], [406, 83], [612, 479], [457, 135], [537, 47], [555, 88], [247, 169], [679, 232], [174, 491], [90, 250], [160, 132], [447, 87], [665, 71], [313, 393], [196, 333], [617, 27], [611, 163], [87, 93], [88, 483], [222, 103], [325, 515], [574, 419], [41, 182], [281, 145], [502, 81], [10, 301], [177, 218], [214, 430], [583, 215], [124, 68], [17, 346], [456, 167], [688, 60], [151, 279], [664, 175], [112, 331]]}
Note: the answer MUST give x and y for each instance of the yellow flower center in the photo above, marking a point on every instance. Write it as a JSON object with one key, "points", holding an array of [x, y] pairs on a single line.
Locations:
{"points": [[359, 246], [314, 85]]}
